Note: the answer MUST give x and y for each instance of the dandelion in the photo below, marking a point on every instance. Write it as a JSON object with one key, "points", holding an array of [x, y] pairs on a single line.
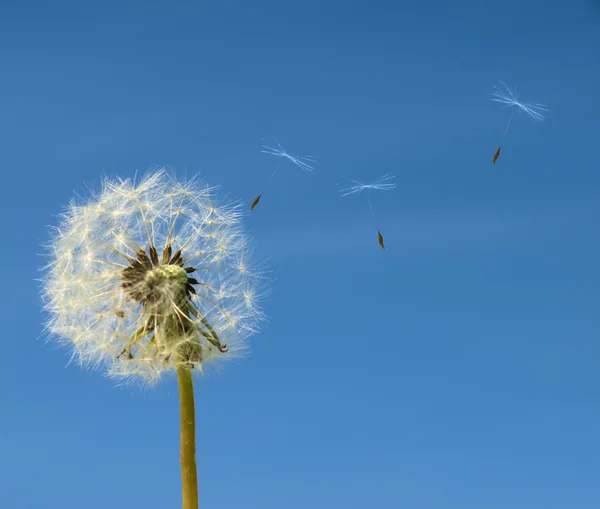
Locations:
{"points": [[153, 278], [509, 99], [301, 162], [384, 183]]}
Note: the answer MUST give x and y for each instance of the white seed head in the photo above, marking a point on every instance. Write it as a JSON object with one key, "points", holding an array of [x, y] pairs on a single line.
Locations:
{"points": [[148, 277]]}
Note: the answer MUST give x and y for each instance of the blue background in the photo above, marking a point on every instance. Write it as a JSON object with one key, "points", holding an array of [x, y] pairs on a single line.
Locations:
{"points": [[456, 369]]}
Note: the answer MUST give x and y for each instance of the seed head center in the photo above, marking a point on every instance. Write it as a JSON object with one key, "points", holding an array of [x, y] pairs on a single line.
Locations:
{"points": [[167, 274]]}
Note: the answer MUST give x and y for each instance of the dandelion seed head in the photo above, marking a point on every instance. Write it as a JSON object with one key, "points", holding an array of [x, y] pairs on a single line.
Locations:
{"points": [[384, 183], [149, 276], [509, 98]]}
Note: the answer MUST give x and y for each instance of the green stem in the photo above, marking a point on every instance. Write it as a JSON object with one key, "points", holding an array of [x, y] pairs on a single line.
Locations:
{"points": [[189, 476]]}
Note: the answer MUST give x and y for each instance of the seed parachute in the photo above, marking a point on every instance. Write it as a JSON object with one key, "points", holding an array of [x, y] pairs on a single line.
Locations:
{"points": [[302, 162], [509, 98], [384, 183]]}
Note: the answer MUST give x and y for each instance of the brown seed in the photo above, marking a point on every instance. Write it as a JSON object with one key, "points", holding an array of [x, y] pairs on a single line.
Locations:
{"points": [[154, 256], [143, 258], [176, 258], [166, 254], [127, 351], [496, 156], [380, 238], [255, 202]]}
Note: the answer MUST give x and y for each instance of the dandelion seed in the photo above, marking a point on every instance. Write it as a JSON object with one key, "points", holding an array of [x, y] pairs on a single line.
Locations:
{"points": [[129, 287], [301, 162], [509, 99], [384, 183]]}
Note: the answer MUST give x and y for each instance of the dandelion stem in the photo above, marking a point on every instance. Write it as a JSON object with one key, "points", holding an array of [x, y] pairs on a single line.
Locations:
{"points": [[189, 475]]}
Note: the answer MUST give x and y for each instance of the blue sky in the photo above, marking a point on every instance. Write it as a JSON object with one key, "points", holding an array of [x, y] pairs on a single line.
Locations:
{"points": [[457, 369]]}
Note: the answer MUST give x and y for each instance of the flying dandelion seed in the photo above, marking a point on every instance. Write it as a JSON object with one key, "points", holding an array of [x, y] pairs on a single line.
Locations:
{"points": [[302, 162], [384, 183], [149, 279], [509, 98]]}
